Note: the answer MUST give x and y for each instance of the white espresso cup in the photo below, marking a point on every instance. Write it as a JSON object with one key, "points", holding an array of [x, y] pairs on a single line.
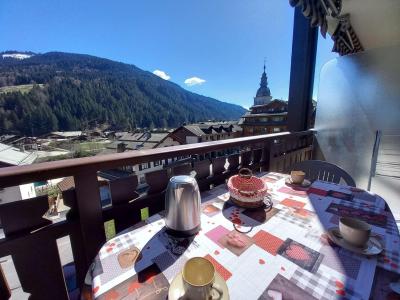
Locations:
{"points": [[354, 231], [198, 280]]}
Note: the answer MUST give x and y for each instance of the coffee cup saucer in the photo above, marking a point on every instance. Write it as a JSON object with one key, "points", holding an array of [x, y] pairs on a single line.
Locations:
{"points": [[177, 292], [305, 183], [372, 247]]}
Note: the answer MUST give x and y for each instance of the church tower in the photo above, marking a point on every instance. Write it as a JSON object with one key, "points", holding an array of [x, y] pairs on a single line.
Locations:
{"points": [[266, 115], [263, 95]]}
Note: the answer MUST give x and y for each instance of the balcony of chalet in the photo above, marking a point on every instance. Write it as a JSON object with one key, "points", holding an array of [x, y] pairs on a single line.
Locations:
{"points": [[357, 128]]}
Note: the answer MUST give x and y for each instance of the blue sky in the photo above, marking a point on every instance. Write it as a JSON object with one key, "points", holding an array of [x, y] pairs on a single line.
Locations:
{"points": [[222, 42]]}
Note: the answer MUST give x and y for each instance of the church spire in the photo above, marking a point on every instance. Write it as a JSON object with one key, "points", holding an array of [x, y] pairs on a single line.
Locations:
{"points": [[264, 64], [263, 90]]}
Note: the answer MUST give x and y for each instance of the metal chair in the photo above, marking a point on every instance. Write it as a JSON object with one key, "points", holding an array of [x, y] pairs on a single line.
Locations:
{"points": [[322, 170]]}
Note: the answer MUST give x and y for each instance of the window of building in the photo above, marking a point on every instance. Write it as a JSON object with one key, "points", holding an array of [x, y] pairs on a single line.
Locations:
{"points": [[277, 119], [144, 166], [277, 129], [157, 163]]}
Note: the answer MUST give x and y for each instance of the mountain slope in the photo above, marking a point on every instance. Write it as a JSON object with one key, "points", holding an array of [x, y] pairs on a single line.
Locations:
{"points": [[73, 91]]}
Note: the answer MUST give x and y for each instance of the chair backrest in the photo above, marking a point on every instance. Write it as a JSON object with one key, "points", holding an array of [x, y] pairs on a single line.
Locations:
{"points": [[385, 162], [322, 170]]}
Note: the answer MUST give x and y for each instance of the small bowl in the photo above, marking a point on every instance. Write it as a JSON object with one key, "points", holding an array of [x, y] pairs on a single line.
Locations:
{"points": [[354, 231], [297, 177]]}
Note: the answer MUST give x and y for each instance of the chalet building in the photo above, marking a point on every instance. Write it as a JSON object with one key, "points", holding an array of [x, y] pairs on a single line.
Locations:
{"points": [[266, 115], [202, 132], [21, 142], [11, 156], [137, 141], [199, 133]]}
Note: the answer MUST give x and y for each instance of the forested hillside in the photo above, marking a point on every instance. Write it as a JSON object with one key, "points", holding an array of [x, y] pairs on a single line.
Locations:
{"points": [[73, 91]]}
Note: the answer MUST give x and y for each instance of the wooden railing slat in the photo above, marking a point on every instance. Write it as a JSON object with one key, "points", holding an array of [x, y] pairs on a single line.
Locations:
{"points": [[123, 189], [38, 263], [157, 181], [90, 213], [24, 215]]}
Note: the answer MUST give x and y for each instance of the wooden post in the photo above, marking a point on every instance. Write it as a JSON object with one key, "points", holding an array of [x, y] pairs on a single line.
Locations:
{"points": [[304, 49], [90, 213]]}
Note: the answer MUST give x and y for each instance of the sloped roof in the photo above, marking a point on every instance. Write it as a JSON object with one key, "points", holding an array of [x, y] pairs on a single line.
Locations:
{"points": [[236, 128], [272, 102], [142, 137], [213, 131], [196, 130], [15, 157], [212, 128], [67, 133], [66, 184], [129, 136], [7, 137], [157, 137], [273, 114]]}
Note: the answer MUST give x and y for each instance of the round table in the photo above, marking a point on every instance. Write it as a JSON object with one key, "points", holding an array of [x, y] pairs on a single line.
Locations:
{"points": [[284, 250]]}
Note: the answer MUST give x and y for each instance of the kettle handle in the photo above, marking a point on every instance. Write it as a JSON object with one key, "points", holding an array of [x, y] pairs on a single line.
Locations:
{"points": [[245, 173]]}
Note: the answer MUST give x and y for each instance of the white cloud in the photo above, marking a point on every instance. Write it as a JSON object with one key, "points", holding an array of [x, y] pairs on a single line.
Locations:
{"points": [[162, 74], [194, 81]]}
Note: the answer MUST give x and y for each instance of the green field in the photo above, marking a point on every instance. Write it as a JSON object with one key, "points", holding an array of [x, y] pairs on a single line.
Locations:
{"points": [[79, 146], [23, 88]]}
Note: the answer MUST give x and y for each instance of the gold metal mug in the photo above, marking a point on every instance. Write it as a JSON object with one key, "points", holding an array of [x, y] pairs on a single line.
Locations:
{"points": [[198, 276]]}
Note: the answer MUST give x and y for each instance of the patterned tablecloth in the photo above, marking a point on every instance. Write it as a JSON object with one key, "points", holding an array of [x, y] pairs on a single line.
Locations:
{"points": [[281, 252]]}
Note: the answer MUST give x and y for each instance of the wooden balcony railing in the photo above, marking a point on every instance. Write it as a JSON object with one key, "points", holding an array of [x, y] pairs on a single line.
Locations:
{"points": [[31, 240]]}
